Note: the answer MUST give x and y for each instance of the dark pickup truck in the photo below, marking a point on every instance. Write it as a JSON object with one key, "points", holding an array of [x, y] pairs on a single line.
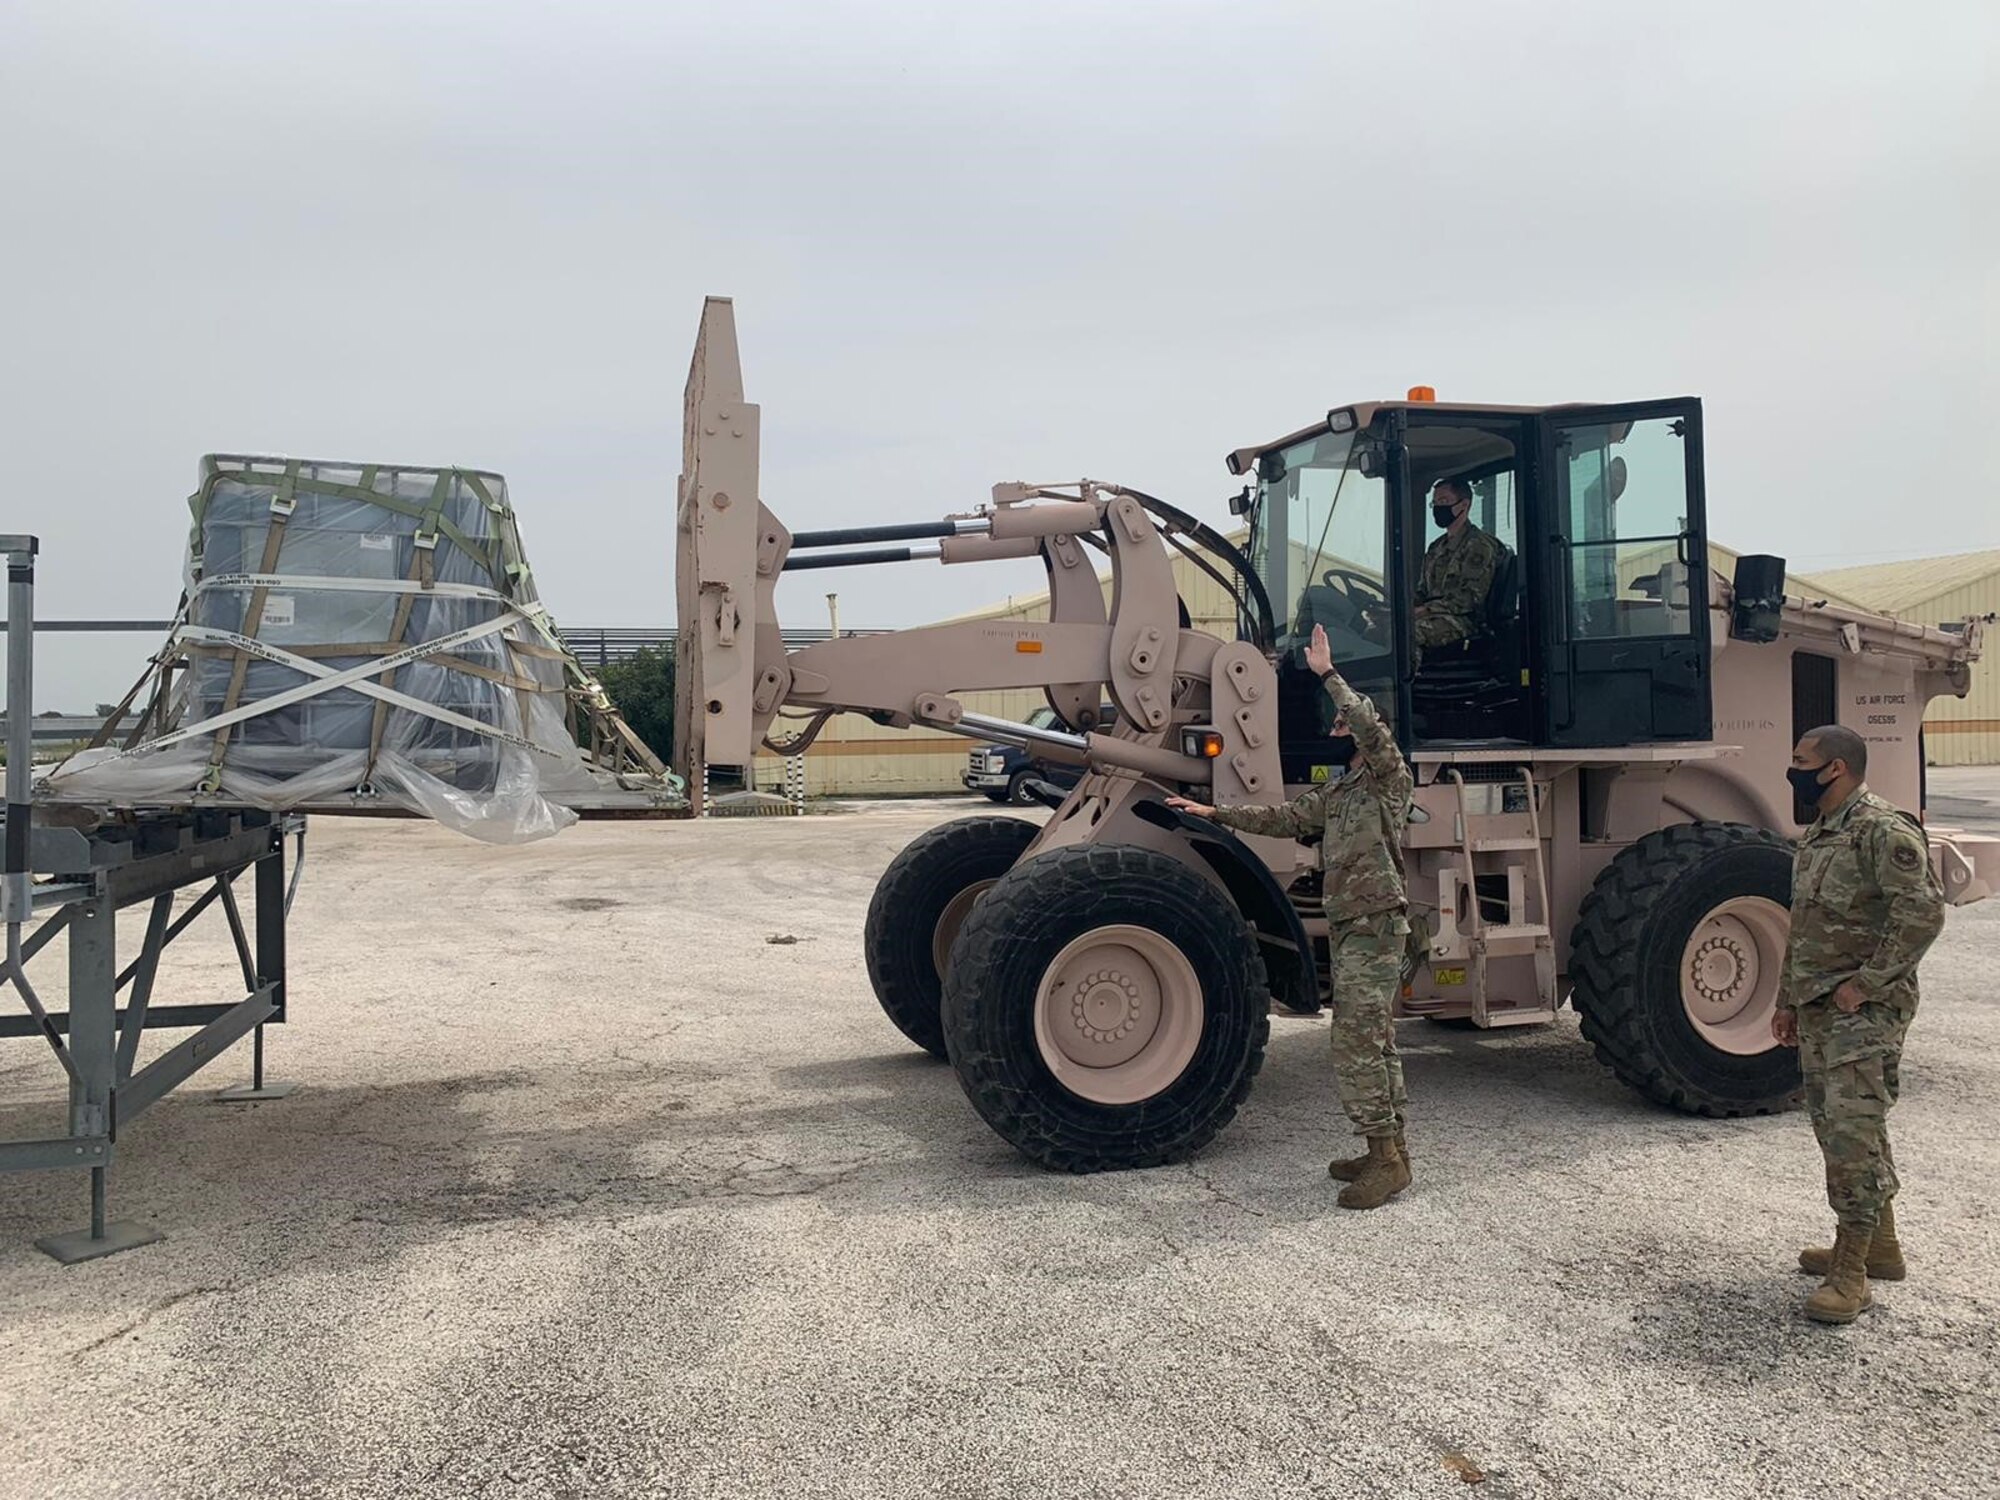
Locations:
{"points": [[1002, 772]]}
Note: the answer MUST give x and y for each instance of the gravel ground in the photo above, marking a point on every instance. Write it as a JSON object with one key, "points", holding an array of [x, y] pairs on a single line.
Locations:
{"points": [[593, 1191]]}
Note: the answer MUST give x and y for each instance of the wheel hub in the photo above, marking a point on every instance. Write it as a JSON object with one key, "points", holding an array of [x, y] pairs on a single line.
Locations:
{"points": [[1113, 1011], [1729, 973], [1724, 969], [1118, 1014]]}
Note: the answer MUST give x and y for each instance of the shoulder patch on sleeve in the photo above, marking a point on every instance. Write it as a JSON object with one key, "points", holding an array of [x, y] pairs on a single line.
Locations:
{"points": [[1903, 857]]}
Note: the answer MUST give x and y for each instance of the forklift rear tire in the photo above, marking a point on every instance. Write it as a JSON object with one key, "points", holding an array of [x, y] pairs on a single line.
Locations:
{"points": [[920, 903], [1676, 958], [1106, 1007]]}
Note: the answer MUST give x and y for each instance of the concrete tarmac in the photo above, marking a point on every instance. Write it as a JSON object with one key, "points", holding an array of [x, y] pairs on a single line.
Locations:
{"points": [[591, 1189]]}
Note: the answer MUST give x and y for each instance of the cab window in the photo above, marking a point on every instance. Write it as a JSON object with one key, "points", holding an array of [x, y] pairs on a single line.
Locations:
{"points": [[1624, 500]]}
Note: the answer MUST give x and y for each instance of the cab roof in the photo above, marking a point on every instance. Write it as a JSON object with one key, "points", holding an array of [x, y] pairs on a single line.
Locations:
{"points": [[1242, 460]]}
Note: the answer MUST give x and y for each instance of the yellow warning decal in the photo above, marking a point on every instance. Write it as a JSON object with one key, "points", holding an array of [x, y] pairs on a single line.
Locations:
{"points": [[1448, 976]]}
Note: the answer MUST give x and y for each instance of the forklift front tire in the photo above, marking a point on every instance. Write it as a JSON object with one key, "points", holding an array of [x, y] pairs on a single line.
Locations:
{"points": [[1106, 1007], [920, 903]]}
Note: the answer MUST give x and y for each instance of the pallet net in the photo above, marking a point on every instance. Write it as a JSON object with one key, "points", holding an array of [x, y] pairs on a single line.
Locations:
{"points": [[362, 635]]}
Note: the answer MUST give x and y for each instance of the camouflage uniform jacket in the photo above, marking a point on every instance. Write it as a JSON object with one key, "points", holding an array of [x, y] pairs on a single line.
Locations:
{"points": [[1456, 576], [1360, 817], [1865, 906]]}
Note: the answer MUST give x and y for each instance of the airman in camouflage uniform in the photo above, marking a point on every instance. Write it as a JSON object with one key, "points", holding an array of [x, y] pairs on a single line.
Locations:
{"points": [[1360, 819], [1457, 572], [1865, 907]]}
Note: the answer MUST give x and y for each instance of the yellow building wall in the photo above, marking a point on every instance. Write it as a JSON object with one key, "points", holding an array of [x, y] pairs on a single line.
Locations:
{"points": [[1966, 731]]}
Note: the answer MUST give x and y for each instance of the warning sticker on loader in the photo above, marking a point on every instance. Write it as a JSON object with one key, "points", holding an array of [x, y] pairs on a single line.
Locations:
{"points": [[1448, 976]]}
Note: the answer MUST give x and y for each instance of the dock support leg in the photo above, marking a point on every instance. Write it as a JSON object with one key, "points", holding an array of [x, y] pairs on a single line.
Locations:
{"points": [[268, 968], [93, 1043]]}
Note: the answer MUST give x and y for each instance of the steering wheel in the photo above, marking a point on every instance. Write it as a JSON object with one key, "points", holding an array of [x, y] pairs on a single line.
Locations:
{"points": [[1363, 602], [1361, 592], [1353, 607]]}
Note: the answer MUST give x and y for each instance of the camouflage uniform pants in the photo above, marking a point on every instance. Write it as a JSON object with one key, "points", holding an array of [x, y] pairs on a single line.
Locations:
{"points": [[1433, 631], [1439, 630], [1367, 974], [1851, 1065]]}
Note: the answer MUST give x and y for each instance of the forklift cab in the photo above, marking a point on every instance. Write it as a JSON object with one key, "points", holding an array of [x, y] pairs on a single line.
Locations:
{"points": [[1594, 626]]}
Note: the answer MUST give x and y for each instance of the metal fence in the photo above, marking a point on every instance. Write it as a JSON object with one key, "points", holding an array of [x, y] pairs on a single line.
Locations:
{"points": [[601, 645]]}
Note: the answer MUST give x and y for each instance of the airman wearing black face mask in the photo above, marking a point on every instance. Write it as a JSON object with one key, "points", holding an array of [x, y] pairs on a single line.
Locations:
{"points": [[1457, 572], [1865, 907]]}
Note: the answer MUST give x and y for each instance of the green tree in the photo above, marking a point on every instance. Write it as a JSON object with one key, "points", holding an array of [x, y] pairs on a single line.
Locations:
{"points": [[642, 689]]}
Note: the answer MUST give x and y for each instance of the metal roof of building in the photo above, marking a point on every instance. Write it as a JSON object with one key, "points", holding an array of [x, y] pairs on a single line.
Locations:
{"points": [[1722, 560], [1897, 586]]}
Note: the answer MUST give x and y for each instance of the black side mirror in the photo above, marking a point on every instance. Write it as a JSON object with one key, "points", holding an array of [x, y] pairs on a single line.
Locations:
{"points": [[1239, 503], [1759, 603]]}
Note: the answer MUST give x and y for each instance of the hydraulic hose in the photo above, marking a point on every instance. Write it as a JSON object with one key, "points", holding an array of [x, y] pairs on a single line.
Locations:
{"points": [[1263, 623]]}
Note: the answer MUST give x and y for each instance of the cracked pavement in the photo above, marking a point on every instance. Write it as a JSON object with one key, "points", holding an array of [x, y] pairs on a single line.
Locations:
{"points": [[591, 1190]]}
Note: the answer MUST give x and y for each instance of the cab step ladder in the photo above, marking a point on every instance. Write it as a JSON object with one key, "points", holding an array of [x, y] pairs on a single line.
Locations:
{"points": [[1526, 930]]}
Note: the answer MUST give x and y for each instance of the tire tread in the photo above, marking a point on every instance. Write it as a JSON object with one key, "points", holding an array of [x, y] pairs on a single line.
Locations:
{"points": [[1606, 946], [1091, 883]]}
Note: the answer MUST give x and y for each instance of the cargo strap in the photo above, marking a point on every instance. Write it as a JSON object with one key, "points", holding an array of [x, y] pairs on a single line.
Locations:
{"points": [[580, 684], [423, 570], [307, 484], [325, 679], [308, 583], [283, 503], [349, 649]]}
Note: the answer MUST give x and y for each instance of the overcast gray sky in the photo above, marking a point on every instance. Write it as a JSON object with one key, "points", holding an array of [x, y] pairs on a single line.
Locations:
{"points": [[972, 243]]}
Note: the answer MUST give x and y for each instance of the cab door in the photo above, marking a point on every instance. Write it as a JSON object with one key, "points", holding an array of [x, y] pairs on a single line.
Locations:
{"points": [[1624, 629]]}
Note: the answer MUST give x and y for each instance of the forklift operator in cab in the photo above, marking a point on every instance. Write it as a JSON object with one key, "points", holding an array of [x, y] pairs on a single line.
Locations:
{"points": [[1457, 572]]}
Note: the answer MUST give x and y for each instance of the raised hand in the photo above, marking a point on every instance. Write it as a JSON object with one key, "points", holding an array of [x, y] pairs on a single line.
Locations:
{"points": [[1319, 654]]}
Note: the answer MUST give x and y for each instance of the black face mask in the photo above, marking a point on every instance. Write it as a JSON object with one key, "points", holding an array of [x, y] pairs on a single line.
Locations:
{"points": [[1806, 783], [1340, 749], [1442, 515]]}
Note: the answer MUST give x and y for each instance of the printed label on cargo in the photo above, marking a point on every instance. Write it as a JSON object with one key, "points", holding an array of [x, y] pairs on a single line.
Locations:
{"points": [[277, 610], [378, 543], [1448, 976]]}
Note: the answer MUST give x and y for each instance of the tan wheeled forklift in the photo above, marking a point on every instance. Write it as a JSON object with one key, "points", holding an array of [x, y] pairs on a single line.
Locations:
{"points": [[1602, 816]]}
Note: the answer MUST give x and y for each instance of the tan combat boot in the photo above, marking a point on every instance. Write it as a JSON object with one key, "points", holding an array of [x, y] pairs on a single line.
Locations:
{"points": [[1885, 1252], [1350, 1167], [1844, 1294], [1385, 1175]]}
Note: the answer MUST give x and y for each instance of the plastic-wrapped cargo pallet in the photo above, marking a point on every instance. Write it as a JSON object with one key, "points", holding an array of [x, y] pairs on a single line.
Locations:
{"points": [[359, 634]]}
